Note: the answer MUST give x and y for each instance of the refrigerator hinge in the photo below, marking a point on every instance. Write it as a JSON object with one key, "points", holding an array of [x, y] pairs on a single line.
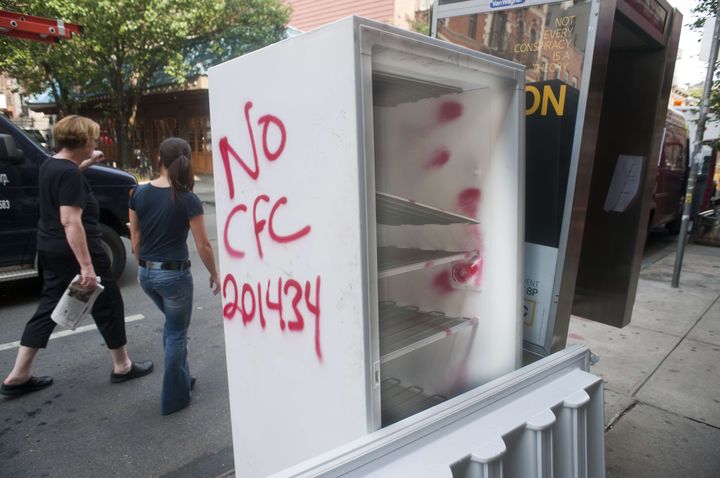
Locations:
{"points": [[376, 373]]}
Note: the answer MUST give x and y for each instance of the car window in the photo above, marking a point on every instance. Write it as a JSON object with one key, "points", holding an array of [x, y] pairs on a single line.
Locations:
{"points": [[37, 138]]}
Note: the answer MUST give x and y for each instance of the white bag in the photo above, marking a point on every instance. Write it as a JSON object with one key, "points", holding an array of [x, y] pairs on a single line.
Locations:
{"points": [[75, 304]]}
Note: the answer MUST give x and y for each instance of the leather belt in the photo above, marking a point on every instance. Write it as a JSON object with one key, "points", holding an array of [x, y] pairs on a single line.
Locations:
{"points": [[166, 266]]}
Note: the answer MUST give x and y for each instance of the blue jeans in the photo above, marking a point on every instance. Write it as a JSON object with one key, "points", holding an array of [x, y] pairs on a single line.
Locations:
{"points": [[172, 292]]}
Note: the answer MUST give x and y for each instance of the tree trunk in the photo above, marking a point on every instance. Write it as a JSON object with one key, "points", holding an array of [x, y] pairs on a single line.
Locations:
{"points": [[124, 146]]}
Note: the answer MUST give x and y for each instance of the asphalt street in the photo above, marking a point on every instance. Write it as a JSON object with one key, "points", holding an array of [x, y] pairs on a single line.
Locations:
{"points": [[85, 426]]}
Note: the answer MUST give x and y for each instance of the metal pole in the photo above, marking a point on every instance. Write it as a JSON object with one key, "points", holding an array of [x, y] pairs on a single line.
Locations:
{"points": [[696, 156]]}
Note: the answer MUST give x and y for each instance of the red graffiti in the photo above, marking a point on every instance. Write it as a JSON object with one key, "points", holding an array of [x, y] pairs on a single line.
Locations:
{"points": [[442, 283], [227, 151], [247, 315], [249, 302], [298, 323], [449, 111], [463, 271], [468, 200], [315, 311], [466, 271], [231, 250], [258, 226], [290, 237], [231, 307], [440, 157], [263, 323], [294, 303], [265, 121], [276, 305]]}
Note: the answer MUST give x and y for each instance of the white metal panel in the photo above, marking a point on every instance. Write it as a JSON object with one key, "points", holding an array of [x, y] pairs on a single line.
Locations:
{"points": [[303, 188], [543, 420]]}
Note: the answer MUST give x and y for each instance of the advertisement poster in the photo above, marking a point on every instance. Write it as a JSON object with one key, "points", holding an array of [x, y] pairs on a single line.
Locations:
{"points": [[550, 40]]}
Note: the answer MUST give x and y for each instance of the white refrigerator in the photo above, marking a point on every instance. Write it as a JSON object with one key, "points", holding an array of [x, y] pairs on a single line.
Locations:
{"points": [[369, 198]]}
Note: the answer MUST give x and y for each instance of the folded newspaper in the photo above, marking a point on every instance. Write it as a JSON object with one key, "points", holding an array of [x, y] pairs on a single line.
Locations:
{"points": [[75, 304]]}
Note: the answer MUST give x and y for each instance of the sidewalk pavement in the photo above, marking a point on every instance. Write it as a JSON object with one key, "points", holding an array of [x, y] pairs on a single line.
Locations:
{"points": [[661, 374]]}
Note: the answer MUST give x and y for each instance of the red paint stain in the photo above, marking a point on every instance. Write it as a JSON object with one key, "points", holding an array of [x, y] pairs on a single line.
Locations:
{"points": [[449, 111], [479, 272], [442, 283], [440, 157], [468, 200], [463, 271], [429, 264], [575, 336]]}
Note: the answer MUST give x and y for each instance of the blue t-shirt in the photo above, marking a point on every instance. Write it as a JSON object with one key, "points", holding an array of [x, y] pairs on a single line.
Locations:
{"points": [[164, 224]]}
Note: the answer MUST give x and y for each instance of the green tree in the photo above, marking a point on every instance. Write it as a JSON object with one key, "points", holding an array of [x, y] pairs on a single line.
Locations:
{"points": [[127, 45]]}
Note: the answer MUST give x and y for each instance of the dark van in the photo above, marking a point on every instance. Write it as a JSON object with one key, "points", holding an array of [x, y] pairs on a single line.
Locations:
{"points": [[672, 175], [20, 160]]}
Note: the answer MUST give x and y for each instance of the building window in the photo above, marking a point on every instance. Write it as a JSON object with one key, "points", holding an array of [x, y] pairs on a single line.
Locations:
{"points": [[200, 140], [497, 31], [472, 26]]}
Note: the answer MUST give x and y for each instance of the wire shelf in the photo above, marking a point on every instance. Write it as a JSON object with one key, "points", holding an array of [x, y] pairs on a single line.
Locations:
{"points": [[405, 329], [399, 401], [399, 260], [397, 211]]}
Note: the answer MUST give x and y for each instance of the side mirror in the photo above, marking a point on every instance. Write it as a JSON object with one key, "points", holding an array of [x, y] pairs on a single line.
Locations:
{"points": [[8, 150]]}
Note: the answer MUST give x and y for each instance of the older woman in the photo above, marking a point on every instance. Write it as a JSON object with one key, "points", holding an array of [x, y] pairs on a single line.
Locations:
{"points": [[69, 244]]}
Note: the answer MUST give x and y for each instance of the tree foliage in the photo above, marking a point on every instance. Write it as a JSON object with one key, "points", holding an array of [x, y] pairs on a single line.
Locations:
{"points": [[126, 45], [702, 12]]}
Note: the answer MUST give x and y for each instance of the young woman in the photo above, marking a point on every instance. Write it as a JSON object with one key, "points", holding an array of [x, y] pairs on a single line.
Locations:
{"points": [[68, 244], [161, 213]]}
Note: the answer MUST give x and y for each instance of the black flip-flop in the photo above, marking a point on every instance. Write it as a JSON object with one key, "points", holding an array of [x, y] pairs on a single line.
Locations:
{"points": [[32, 385]]}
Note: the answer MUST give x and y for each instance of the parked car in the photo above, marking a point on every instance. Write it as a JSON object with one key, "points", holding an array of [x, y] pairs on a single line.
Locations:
{"points": [[672, 175], [20, 160]]}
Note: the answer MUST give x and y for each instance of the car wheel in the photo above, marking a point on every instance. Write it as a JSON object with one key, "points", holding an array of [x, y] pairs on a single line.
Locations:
{"points": [[115, 249]]}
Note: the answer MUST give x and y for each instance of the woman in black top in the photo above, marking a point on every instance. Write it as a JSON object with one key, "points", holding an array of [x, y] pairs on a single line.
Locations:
{"points": [[161, 214], [69, 244]]}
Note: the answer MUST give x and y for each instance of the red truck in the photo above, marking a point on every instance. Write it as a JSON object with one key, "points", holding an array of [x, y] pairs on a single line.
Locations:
{"points": [[672, 174]]}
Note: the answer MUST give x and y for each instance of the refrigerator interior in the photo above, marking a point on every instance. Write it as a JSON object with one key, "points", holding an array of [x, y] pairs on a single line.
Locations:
{"points": [[445, 177]]}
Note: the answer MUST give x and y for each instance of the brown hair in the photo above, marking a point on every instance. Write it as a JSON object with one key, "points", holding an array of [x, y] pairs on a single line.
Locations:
{"points": [[73, 132], [175, 157]]}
